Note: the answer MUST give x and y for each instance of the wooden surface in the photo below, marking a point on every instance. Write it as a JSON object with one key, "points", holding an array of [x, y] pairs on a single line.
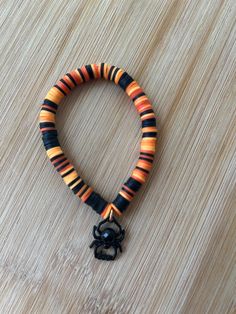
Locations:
{"points": [[180, 248]]}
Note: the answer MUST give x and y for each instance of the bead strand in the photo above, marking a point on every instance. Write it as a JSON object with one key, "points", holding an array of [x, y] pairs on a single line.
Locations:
{"points": [[55, 153]]}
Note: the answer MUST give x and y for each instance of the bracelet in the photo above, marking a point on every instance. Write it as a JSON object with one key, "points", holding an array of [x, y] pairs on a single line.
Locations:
{"points": [[105, 238]]}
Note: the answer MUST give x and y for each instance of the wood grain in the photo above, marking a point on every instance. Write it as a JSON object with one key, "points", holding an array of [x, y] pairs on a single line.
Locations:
{"points": [[180, 249]]}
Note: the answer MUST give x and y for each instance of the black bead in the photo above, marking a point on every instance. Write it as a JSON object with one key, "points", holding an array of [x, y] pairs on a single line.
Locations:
{"points": [[108, 235]]}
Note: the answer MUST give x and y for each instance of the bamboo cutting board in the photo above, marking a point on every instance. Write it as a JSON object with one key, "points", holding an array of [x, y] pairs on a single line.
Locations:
{"points": [[180, 249]]}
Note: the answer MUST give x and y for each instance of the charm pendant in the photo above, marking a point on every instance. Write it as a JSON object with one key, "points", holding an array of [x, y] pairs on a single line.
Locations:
{"points": [[108, 236]]}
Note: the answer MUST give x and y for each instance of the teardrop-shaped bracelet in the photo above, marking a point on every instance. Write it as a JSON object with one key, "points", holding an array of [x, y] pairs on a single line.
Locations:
{"points": [[108, 235]]}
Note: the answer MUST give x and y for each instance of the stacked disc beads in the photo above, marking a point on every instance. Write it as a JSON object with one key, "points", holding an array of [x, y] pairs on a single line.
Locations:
{"points": [[55, 153]]}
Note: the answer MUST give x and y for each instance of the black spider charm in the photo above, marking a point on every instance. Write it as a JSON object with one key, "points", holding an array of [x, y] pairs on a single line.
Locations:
{"points": [[108, 236]]}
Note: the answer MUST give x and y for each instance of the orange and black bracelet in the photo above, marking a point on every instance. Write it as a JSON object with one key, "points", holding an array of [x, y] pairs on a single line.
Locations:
{"points": [[108, 235]]}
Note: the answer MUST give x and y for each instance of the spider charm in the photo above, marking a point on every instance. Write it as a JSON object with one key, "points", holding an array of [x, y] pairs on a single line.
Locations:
{"points": [[108, 236]]}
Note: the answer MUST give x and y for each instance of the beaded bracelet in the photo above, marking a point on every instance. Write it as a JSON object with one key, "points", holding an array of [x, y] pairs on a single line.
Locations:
{"points": [[108, 235]]}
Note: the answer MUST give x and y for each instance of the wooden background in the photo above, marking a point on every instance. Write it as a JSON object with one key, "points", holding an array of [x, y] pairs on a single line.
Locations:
{"points": [[180, 248]]}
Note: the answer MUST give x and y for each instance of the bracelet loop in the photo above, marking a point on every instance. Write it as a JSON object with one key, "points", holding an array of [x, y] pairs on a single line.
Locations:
{"points": [[55, 153]]}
